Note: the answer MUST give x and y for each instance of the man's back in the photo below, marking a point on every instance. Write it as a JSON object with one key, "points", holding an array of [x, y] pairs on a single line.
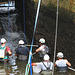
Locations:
{"points": [[22, 50], [45, 65]]}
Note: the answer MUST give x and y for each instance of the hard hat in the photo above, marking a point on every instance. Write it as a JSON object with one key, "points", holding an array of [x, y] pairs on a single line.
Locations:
{"points": [[46, 57], [42, 40], [3, 40], [60, 55], [21, 42]]}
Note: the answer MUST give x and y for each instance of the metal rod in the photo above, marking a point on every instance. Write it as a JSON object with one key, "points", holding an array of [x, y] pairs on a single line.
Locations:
{"points": [[71, 68], [30, 45], [56, 31], [34, 53]]}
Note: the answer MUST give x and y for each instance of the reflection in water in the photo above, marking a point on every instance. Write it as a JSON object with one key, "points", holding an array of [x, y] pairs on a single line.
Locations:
{"points": [[2, 70], [11, 68]]}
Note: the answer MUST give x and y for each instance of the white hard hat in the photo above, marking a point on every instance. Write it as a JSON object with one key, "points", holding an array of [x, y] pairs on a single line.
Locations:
{"points": [[3, 40], [46, 57], [42, 40], [21, 42], [60, 55]]}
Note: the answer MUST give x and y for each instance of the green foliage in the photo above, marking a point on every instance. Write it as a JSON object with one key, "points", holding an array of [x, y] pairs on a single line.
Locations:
{"points": [[67, 4]]}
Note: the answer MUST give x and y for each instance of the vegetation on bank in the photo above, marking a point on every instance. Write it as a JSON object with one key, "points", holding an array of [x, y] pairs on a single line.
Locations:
{"points": [[67, 4]]}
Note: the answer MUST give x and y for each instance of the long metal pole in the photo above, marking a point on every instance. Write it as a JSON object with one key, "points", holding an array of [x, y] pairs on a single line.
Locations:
{"points": [[55, 35]]}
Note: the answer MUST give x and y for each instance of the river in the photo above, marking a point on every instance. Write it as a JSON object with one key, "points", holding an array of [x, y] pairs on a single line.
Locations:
{"points": [[17, 67]]}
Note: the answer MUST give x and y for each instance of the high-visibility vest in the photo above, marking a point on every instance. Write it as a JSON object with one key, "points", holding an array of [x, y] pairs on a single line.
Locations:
{"points": [[2, 51]]}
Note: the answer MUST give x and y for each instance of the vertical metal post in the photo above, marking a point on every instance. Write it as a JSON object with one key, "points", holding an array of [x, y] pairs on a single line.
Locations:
{"points": [[55, 35]]}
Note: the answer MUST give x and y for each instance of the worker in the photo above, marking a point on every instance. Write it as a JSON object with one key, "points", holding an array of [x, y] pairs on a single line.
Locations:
{"points": [[22, 52], [45, 66], [43, 49], [4, 50], [61, 63]]}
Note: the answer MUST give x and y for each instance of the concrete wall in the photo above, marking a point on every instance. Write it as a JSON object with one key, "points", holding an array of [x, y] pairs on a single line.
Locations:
{"points": [[29, 16]]}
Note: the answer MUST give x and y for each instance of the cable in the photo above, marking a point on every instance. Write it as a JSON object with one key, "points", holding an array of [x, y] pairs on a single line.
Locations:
{"points": [[8, 18], [24, 16], [30, 56], [55, 36]]}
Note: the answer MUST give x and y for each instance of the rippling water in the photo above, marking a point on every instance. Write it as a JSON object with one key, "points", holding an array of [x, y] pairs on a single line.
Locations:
{"points": [[17, 67]]}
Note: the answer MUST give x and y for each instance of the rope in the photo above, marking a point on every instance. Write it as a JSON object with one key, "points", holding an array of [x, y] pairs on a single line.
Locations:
{"points": [[8, 18], [24, 16], [30, 56], [55, 36]]}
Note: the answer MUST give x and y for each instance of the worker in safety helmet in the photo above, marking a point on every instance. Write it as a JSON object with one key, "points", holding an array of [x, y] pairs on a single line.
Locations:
{"points": [[4, 50], [61, 63], [22, 51], [45, 65], [43, 49]]}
